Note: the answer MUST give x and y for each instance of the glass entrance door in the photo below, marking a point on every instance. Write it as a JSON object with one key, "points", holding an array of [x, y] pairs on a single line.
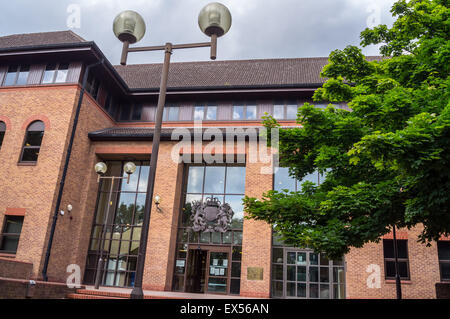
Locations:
{"points": [[208, 270], [218, 272]]}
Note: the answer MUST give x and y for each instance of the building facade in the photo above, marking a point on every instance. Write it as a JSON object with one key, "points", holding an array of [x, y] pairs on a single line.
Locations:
{"points": [[41, 78]]}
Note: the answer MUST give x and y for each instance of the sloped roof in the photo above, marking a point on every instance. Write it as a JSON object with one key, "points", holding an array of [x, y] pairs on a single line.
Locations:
{"points": [[40, 38], [231, 73]]}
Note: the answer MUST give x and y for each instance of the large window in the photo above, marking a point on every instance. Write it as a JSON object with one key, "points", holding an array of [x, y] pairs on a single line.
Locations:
{"points": [[125, 213], [389, 258], [93, 86], [285, 110], [226, 183], [205, 113], [9, 239], [282, 180], [171, 113], [302, 273], [444, 259], [32, 143], [244, 112], [55, 73], [2, 132], [17, 75]]}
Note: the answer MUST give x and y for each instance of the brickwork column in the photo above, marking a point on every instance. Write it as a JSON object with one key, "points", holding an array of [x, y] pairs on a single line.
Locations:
{"points": [[161, 243], [257, 239]]}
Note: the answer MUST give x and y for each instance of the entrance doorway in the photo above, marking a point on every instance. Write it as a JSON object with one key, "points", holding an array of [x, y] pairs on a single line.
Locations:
{"points": [[208, 269]]}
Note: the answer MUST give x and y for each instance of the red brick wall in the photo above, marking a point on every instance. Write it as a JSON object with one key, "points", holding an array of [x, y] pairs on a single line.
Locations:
{"points": [[423, 263]]}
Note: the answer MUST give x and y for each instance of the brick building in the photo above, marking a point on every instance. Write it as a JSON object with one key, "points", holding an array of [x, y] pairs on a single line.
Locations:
{"points": [[40, 86]]}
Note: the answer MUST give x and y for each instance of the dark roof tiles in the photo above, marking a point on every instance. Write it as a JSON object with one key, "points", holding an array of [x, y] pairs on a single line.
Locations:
{"points": [[41, 38]]}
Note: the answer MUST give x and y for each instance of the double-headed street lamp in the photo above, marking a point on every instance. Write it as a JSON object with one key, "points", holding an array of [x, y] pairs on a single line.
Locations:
{"points": [[129, 27]]}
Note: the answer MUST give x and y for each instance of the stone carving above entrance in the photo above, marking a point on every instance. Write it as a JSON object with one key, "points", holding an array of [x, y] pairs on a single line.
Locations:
{"points": [[211, 216]]}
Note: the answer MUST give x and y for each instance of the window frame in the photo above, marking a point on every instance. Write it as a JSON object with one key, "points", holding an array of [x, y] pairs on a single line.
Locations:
{"points": [[443, 261], [205, 107], [17, 235], [17, 75], [24, 147], [2, 133], [55, 74], [389, 259], [285, 105], [245, 106]]}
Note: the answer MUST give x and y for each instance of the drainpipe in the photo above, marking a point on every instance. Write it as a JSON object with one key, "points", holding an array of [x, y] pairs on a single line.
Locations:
{"points": [[66, 166]]}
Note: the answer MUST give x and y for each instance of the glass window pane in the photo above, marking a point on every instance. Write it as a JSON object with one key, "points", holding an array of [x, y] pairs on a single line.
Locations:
{"points": [[237, 238], [125, 209], [195, 179], [226, 237], [30, 155], [9, 244], [125, 112], [388, 248], [137, 111], [324, 260], [61, 76], [13, 224], [215, 179], [314, 259], [10, 77], [218, 285], [173, 113], [216, 237], [313, 274], [291, 112], [238, 112], [325, 291], [251, 112], [235, 202], [132, 185], [143, 178], [235, 286], [278, 112], [34, 138], [339, 291], [324, 274], [338, 275], [445, 271], [291, 258], [277, 289], [23, 75], [211, 113], [282, 180], [235, 180], [277, 272], [290, 289], [290, 273], [314, 291], [301, 290], [301, 258], [444, 250], [237, 253], [140, 208], [277, 255], [301, 273], [236, 270], [198, 113], [49, 74]]}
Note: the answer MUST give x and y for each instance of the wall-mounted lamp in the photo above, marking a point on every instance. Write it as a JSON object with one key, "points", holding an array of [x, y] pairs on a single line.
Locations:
{"points": [[157, 201], [69, 210]]}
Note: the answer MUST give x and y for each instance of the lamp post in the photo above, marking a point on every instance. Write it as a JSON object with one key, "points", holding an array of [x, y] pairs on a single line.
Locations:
{"points": [[398, 285], [100, 169], [214, 20]]}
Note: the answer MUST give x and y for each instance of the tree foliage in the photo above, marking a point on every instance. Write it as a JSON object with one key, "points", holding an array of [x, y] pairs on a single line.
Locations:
{"points": [[388, 159]]}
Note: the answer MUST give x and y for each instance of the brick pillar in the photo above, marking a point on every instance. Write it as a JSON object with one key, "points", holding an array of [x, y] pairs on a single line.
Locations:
{"points": [[257, 239], [161, 243]]}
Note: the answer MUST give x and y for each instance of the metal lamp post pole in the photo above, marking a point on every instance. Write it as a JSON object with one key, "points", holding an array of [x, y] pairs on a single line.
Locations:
{"points": [[137, 292]]}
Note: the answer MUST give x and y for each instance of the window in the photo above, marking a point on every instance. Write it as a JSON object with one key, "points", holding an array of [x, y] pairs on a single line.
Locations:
{"points": [[285, 111], [244, 112], [282, 180], [205, 113], [444, 259], [10, 234], [2, 132], [171, 113], [32, 144], [123, 225], [389, 258], [92, 86], [55, 73], [17, 75]]}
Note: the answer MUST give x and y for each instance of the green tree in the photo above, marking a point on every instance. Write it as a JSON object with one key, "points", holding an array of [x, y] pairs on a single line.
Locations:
{"points": [[388, 159]]}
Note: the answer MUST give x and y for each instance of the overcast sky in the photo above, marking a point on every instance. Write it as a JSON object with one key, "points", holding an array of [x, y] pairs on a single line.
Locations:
{"points": [[260, 29]]}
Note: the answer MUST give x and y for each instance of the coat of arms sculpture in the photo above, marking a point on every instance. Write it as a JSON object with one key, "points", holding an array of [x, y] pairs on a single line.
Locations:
{"points": [[211, 216]]}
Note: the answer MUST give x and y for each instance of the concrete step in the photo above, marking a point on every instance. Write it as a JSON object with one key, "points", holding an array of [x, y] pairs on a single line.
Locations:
{"points": [[83, 296], [100, 294]]}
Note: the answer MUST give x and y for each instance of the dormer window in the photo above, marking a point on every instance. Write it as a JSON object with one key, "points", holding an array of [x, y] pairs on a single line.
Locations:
{"points": [[17, 75], [55, 73]]}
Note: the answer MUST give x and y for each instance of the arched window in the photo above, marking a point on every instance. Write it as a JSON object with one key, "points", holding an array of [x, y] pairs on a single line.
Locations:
{"points": [[32, 144], [2, 132]]}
